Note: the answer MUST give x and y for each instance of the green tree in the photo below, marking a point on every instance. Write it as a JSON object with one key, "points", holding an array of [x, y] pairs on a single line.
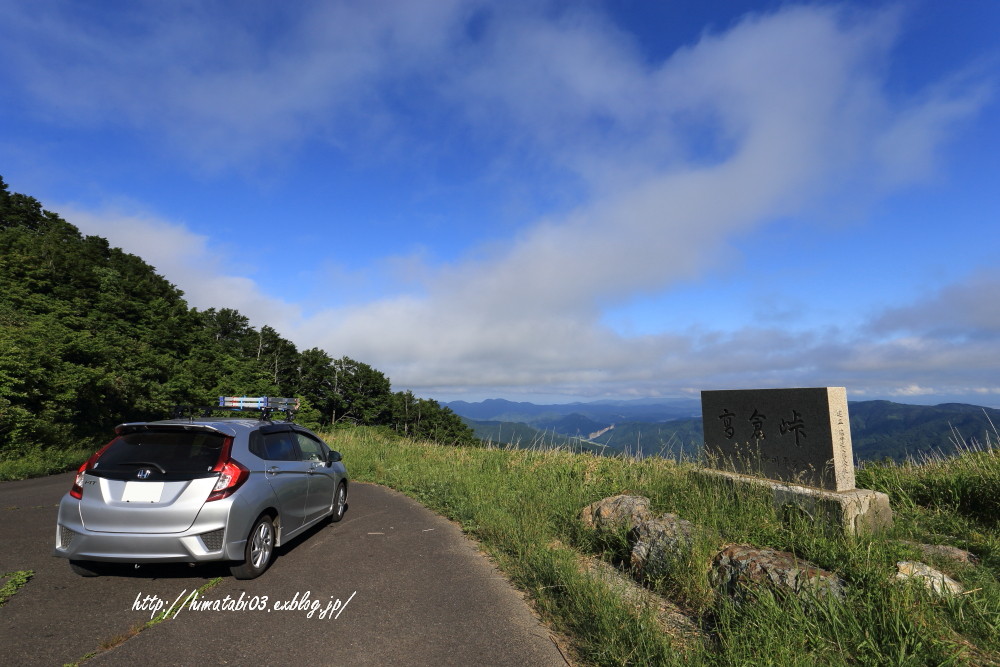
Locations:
{"points": [[361, 394], [422, 418], [279, 358], [316, 382], [91, 336]]}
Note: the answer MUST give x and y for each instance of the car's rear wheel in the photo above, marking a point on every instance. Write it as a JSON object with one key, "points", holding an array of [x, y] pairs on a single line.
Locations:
{"points": [[339, 503], [85, 568], [258, 552]]}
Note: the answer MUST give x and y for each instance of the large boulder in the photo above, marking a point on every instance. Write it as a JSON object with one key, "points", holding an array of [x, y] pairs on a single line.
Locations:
{"points": [[739, 568], [658, 543], [622, 511]]}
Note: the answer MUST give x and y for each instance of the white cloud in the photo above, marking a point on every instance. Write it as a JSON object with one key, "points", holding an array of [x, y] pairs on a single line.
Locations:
{"points": [[227, 84], [908, 151], [797, 100], [773, 118], [453, 347], [187, 259], [966, 310]]}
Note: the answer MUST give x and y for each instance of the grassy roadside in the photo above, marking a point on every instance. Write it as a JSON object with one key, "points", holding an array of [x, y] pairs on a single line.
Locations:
{"points": [[39, 463], [522, 507]]}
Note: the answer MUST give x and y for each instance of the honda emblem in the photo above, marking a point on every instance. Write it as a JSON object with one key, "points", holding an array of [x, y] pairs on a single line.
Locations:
{"points": [[143, 473]]}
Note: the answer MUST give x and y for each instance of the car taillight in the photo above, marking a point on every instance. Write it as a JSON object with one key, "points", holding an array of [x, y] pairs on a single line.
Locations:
{"points": [[232, 474], [77, 490]]}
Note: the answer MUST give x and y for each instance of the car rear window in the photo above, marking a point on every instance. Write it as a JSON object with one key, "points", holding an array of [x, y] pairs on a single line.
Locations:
{"points": [[169, 452]]}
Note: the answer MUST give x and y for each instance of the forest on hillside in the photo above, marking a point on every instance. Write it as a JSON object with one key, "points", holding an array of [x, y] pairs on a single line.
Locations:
{"points": [[91, 336]]}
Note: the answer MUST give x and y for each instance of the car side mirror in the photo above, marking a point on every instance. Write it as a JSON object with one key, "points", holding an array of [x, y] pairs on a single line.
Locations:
{"points": [[334, 457]]}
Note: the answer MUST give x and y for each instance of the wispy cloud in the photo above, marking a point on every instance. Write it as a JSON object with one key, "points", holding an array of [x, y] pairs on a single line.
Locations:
{"points": [[781, 116], [966, 311], [190, 261], [797, 106], [224, 84]]}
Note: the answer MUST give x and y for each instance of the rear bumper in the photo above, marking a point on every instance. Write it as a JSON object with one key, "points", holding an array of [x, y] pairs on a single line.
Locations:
{"points": [[205, 540]]}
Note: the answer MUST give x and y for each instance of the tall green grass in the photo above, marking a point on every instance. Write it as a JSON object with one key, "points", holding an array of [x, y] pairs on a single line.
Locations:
{"points": [[967, 484], [39, 462], [522, 506]]}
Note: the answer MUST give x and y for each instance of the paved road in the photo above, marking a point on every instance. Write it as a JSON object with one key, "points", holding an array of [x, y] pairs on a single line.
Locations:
{"points": [[412, 590]]}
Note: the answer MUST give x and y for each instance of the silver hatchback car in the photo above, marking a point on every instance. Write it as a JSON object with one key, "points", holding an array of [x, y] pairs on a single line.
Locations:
{"points": [[195, 490]]}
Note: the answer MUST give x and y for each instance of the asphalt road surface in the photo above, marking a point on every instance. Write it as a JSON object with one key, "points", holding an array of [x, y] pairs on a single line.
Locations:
{"points": [[391, 584]]}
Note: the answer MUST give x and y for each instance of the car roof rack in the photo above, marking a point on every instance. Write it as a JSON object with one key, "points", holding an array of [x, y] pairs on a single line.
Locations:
{"points": [[267, 406]]}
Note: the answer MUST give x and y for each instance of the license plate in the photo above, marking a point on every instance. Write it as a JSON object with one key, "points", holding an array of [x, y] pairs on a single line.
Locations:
{"points": [[142, 492]]}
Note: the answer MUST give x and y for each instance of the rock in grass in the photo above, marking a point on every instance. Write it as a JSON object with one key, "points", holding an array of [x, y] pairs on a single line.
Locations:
{"points": [[739, 568], [671, 618], [658, 543], [936, 581], [616, 512], [944, 551]]}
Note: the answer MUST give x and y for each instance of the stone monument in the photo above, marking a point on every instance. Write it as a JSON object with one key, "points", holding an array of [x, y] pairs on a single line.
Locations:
{"points": [[801, 436], [798, 443]]}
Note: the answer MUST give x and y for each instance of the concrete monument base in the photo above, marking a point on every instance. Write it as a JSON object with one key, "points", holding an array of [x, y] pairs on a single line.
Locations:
{"points": [[855, 512]]}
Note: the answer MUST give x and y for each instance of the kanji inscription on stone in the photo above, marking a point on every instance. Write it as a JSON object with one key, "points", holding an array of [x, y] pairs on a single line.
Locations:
{"points": [[800, 436]]}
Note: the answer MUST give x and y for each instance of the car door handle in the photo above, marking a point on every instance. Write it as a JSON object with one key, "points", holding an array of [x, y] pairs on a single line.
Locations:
{"points": [[273, 470]]}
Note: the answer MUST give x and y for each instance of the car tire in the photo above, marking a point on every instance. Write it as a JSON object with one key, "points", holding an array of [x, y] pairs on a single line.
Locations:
{"points": [[259, 550], [339, 503], [85, 568]]}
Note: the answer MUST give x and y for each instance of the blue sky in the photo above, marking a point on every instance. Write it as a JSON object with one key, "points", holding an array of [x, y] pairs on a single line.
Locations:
{"points": [[544, 200]]}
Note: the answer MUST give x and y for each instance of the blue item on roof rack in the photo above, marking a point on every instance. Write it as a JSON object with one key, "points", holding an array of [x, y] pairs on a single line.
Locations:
{"points": [[258, 403]]}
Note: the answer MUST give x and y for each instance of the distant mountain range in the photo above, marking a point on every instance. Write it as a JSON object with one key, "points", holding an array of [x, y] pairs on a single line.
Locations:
{"points": [[658, 427], [598, 413]]}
